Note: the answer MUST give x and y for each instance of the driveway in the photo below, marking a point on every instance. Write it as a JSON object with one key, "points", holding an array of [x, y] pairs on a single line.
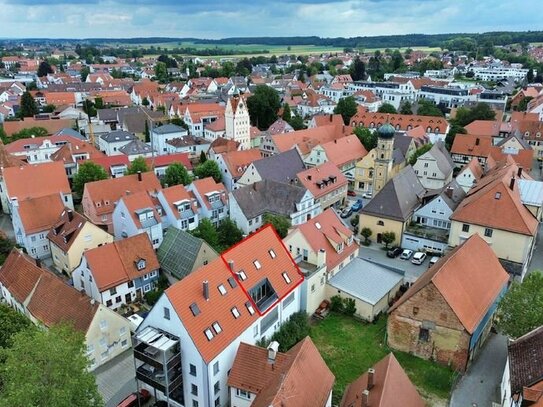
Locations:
{"points": [[116, 379], [375, 254], [480, 386]]}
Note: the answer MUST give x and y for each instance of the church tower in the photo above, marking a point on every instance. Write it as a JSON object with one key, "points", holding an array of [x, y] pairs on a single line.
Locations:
{"points": [[237, 122], [383, 160]]}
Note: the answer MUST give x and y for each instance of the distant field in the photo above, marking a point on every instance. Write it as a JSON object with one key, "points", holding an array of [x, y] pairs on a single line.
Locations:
{"points": [[403, 49]]}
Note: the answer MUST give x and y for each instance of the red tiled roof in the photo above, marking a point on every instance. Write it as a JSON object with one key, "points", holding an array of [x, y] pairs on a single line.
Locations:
{"points": [[51, 125], [237, 161], [167, 159], [309, 178], [107, 162], [39, 214], [19, 274], [326, 120], [207, 185], [490, 128], [218, 308], [472, 145], [391, 387], [404, 121], [330, 231], [344, 150], [469, 284], [307, 139], [64, 231], [33, 181]]}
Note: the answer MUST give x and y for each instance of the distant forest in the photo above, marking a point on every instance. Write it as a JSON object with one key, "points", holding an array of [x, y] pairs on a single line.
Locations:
{"points": [[458, 41]]}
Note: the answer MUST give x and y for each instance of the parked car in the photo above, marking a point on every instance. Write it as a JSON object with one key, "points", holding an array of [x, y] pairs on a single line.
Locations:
{"points": [[345, 213], [406, 254], [433, 261], [367, 195], [357, 205], [132, 400], [394, 252], [351, 193], [418, 258]]}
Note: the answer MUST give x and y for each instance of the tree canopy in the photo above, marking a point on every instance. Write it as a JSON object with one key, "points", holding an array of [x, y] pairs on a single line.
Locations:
{"points": [[207, 232], [209, 168], [519, 311], [88, 172], [138, 165], [28, 106], [418, 152], [25, 133], [406, 108], [263, 106], [12, 322], [287, 114], [280, 223], [367, 137], [176, 174], [358, 70], [44, 68], [428, 108], [229, 233], [387, 108], [48, 368], [347, 108], [466, 115]]}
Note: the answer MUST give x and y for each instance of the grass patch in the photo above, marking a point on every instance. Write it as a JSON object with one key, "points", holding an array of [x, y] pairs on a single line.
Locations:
{"points": [[350, 347]]}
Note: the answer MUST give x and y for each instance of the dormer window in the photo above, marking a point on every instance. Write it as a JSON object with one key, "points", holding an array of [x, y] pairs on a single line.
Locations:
{"points": [[209, 335], [140, 264], [221, 289], [250, 308]]}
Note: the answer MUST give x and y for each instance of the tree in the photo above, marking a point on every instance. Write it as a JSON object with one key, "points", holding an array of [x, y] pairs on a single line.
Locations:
{"points": [[263, 106], [428, 108], [89, 109], [49, 108], [209, 168], [85, 71], [145, 101], [176, 174], [48, 368], [138, 165], [523, 104], [347, 108], [453, 131], [367, 137], [6, 245], [161, 71], [418, 152], [519, 311], [388, 238], [465, 115], [280, 223], [287, 115], [98, 103], [203, 157], [44, 69], [406, 108], [28, 106], [366, 233], [387, 108], [530, 76], [229, 233], [358, 70], [11, 322], [88, 172], [297, 122], [179, 122], [206, 231], [27, 133]]}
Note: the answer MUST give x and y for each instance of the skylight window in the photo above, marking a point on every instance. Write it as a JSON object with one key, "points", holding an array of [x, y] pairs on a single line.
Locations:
{"points": [[241, 275], [257, 264], [235, 312], [272, 254], [318, 225], [221, 289], [250, 308], [216, 327], [286, 277], [209, 335], [232, 282], [194, 309]]}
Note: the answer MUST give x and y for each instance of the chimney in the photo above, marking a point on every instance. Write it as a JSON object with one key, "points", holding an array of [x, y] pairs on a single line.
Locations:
{"points": [[70, 215], [477, 141], [331, 118], [449, 192], [273, 348], [371, 374], [231, 265], [206, 290], [38, 263], [309, 177], [335, 141], [519, 172], [365, 398], [321, 258], [140, 177], [92, 301], [512, 184]]}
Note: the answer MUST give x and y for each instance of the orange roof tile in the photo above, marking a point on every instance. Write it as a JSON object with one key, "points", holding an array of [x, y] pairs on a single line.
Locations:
{"points": [[491, 198], [176, 194], [33, 181], [60, 98], [344, 150], [404, 121], [469, 284], [19, 274], [105, 193], [167, 159], [490, 128], [327, 120], [307, 139], [51, 125], [207, 185], [218, 308], [330, 232], [471, 145], [310, 177], [115, 263], [238, 161], [66, 229], [39, 214], [137, 201], [391, 387]]}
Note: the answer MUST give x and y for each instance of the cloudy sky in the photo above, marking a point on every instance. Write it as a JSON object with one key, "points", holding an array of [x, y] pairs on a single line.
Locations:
{"points": [[233, 18]]}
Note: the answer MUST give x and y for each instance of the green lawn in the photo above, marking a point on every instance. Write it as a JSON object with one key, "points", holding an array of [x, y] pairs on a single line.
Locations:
{"points": [[350, 347]]}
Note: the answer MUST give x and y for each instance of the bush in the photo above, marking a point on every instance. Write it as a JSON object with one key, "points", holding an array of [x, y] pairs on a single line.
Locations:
{"points": [[290, 333], [340, 305], [336, 304], [349, 306], [152, 296]]}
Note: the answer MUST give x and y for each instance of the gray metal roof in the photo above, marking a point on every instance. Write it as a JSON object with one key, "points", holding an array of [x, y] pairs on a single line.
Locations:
{"points": [[531, 192], [169, 129], [136, 147], [281, 167], [268, 196], [178, 252], [70, 132], [399, 198], [366, 281], [443, 158], [118, 135]]}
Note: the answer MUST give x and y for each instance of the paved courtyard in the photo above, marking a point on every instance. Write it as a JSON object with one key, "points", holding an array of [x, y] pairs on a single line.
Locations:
{"points": [[116, 379]]}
